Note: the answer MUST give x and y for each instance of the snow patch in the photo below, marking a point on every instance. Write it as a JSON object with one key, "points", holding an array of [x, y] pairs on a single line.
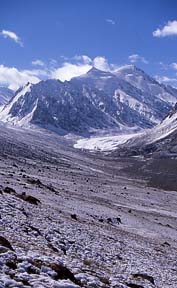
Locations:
{"points": [[108, 143]]}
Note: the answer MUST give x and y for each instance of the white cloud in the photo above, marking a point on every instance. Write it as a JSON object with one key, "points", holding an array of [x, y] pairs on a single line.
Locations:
{"points": [[76, 66], [38, 62], [101, 63], [53, 64], [69, 70], [165, 79], [11, 35], [82, 64], [137, 58], [14, 78], [168, 30], [163, 65], [83, 58], [174, 65], [110, 21], [40, 73]]}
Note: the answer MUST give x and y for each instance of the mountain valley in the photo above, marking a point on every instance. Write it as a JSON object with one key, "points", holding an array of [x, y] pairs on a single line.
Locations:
{"points": [[104, 214], [75, 219]]}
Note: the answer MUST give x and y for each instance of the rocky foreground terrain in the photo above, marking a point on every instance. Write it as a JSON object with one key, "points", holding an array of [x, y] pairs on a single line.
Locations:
{"points": [[71, 219]]}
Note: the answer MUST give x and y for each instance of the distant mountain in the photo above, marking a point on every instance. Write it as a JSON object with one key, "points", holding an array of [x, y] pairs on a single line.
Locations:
{"points": [[145, 100], [95, 101], [160, 140], [58, 106], [147, 84], [5, 95]]}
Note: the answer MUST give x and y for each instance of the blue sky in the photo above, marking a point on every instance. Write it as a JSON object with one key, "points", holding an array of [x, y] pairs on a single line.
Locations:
{"points": [[38, 38]]}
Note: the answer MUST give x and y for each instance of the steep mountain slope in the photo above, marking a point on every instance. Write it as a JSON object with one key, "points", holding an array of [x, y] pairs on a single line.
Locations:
{"points": [[68, 217], [58, 106], [160, 140], [144, 104], [92, 102], [147, 84], [5, 95]]}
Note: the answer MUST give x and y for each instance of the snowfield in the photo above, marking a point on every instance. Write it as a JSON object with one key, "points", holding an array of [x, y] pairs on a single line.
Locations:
{"points": [[103, 144]]}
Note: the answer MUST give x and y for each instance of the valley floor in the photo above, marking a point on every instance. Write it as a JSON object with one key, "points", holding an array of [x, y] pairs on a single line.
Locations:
{"points": [[65, 208]]}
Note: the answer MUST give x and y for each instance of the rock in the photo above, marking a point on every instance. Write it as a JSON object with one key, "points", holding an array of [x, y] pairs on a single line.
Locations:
{"points": [[50, 245], [35, 229], [74, 216], [144, 276], [166, 244], [109, 220], [12, 264], [51, 188], [105, 280], [101, 220], [9, 190], [133, 285], [34, 181], [3, 249], [4, 242], [30, 199], [119, 220], [32, 270], [14, 165], [62, 272]]}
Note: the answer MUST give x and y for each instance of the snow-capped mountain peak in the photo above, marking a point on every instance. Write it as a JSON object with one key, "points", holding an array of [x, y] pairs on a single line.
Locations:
{"points": [[98, 73], [98, 100], [139, 79], [129, 68]]}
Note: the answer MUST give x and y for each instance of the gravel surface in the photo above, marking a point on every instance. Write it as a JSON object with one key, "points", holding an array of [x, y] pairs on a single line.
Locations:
{"points": [[69, 219]]}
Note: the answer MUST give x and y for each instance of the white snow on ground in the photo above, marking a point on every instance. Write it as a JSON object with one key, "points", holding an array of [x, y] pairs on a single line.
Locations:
{"points": [[159, 132], [107, 143], [121, 226], [168, 126]]}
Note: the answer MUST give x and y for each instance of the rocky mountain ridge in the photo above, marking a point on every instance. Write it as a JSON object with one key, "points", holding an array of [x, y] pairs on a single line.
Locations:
{"points": [[92, 102]]}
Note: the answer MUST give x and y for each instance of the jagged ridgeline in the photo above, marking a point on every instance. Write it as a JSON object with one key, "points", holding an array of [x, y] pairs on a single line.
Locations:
{"points": [[127, 98]]}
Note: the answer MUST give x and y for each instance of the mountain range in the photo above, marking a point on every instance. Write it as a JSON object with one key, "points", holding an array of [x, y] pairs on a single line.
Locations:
{"points": [[5, 96], [127, 99], [161, 140]]}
